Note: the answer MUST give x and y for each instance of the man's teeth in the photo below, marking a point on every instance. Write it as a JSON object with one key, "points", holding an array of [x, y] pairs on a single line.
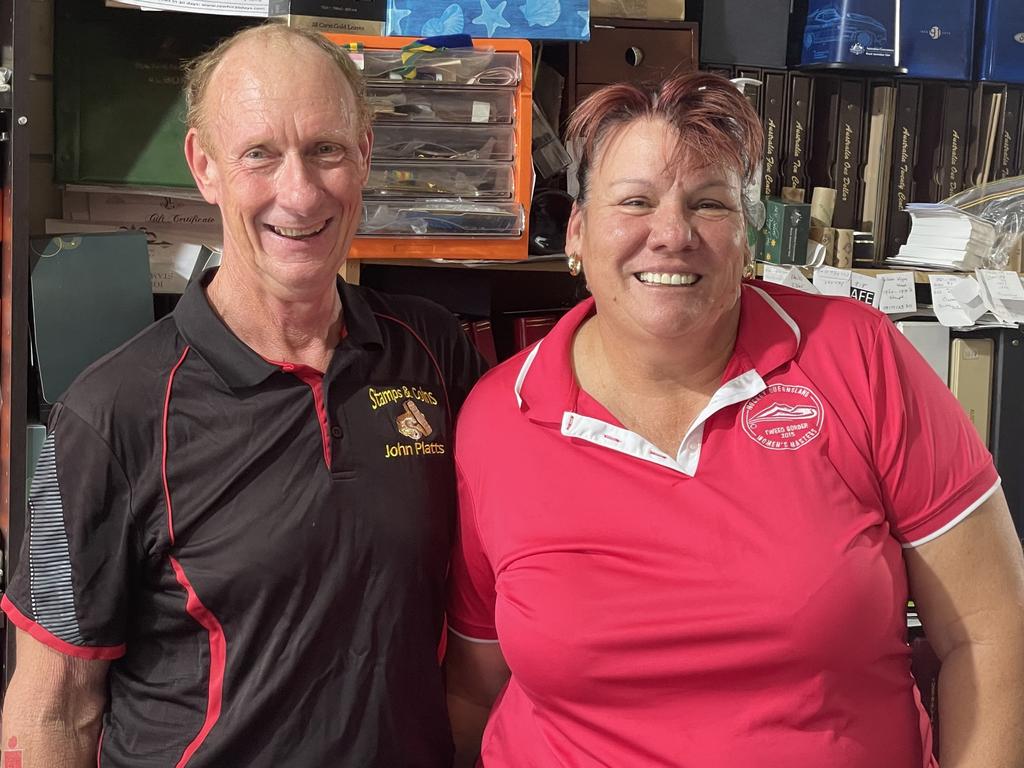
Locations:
{"points": [[286, 232], [668, 278]]}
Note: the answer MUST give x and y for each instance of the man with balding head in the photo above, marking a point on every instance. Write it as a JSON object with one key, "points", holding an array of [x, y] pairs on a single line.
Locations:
{"points": [[236, 545]]}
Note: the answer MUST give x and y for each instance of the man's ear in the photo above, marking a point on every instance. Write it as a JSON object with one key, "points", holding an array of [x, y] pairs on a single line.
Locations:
{"points": [[202, 165], [365, 149]]}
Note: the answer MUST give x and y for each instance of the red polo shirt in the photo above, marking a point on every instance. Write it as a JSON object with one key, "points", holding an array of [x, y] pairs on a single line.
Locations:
{"points": [[741, 603]]}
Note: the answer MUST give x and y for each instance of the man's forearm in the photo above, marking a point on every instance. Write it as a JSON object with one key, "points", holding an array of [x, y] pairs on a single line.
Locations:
{"points": [[981, 706], [50, 733]]}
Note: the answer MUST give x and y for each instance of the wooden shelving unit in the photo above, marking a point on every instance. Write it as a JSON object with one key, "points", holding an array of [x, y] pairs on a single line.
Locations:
{"points": [[14, 286]]}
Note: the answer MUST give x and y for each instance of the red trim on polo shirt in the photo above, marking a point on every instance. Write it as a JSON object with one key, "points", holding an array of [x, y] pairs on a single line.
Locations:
{"points": [[193, 605], [218, 661], [163, 431], [44, 636], [430, 354], [314, 379]]}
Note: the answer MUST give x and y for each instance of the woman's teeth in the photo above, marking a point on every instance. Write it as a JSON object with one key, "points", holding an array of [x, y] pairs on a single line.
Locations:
{"points": [[667, 278]]}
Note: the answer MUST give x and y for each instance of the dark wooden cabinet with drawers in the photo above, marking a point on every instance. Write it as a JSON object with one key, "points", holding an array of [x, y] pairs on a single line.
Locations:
{"points": [[628, 50]]}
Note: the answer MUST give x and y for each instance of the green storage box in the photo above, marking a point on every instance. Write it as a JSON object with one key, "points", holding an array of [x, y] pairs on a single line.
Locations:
{"points": [[119, 110]]}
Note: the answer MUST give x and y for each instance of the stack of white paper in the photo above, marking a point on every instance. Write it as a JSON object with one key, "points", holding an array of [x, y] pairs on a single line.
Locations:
{"points": [[945, 237]]}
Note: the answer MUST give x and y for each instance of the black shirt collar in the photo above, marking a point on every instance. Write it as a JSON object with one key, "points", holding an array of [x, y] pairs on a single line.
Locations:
{"points": [[237, 364]]}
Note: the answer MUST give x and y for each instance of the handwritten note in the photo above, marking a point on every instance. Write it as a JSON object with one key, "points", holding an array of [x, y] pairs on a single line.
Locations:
{"points": [[950, 309], [896, 293], [791, 277], [832, 281], [1003, 293]]}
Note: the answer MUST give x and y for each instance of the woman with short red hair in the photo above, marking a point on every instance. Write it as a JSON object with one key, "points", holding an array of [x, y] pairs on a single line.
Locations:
{"points": [[692, 515]]}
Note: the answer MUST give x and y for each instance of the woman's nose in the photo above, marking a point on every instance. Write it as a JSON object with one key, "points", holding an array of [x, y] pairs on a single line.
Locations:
{"points": [[671, 228]]}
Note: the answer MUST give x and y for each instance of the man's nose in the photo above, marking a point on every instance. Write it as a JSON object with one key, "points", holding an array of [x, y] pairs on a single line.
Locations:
{"points": [[297, 183]]}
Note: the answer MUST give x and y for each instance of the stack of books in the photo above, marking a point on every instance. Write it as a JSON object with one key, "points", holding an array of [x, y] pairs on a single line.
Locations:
{"points": [[944, 237]]}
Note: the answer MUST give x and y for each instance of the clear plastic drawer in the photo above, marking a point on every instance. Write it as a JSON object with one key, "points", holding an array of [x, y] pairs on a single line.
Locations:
{"points": [[426, 218], [453, 66], [461, 180], [443, 142], [417, 104]]}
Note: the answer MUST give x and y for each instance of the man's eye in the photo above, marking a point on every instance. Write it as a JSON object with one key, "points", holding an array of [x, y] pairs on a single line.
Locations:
{"points": [[635, 202], [255, 154], [328, 149], [712, 204]]}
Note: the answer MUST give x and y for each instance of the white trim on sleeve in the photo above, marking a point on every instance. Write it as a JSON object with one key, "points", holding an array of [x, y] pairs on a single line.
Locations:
{"points": [[959, 518], [470, 639]]}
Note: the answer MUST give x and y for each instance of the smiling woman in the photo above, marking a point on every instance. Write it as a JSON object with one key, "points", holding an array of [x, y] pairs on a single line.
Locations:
{"points": [[731, 489]]}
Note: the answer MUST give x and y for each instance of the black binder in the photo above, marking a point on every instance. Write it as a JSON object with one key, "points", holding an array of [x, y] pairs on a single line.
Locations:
{"points": [[773, 115], [825, 130], [945, 128], [904, 160], [1008, 149], [1008, 419], [848, 160], [798, 131]]}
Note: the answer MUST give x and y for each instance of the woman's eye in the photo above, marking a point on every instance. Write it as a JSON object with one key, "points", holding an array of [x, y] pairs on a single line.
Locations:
{"points": [[710, 204]]}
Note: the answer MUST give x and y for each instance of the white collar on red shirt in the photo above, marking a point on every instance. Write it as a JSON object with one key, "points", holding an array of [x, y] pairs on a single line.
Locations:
{"points": [[547, 391]]}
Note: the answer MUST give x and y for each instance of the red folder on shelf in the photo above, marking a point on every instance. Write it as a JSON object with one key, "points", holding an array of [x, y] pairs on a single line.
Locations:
{"points": [[528, 329], [479, 332]]}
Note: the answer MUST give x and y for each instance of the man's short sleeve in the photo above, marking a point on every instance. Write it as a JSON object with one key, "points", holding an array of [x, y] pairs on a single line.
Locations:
{"points": [[466, 366], [70, 590], [471, 594], [933, 468]]}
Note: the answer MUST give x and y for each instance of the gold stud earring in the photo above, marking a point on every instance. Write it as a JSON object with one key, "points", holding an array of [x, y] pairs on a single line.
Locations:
{"points": [[575, 264], [748, 271]]}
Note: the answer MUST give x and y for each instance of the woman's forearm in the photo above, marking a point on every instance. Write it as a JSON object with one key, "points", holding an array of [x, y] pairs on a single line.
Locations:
{"points": [[981, 705]]}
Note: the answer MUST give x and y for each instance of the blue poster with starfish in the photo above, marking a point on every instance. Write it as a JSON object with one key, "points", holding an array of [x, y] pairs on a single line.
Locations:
{"points": [[531, 19]]}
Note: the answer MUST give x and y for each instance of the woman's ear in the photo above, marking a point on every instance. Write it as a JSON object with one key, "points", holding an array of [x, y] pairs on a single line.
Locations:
{"points": [[574, 231]]}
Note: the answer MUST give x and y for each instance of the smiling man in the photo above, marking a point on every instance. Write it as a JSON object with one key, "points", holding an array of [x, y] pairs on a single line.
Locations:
{"points": [[226, 564]]}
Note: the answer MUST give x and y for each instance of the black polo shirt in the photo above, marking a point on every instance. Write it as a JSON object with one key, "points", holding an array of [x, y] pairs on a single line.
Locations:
{"points": [[260, 549]]}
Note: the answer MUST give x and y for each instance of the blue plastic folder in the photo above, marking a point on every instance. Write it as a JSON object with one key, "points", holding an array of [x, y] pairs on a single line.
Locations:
{"points": [[1001, 40], [532, 19], [937, 38], [859, 34]]}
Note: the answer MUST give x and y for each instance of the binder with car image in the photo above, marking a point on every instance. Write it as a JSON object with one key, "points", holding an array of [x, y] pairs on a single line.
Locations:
{"points": [[858, 34]]}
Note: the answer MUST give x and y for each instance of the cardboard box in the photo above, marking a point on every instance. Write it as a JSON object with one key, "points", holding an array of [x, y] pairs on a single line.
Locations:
{"points": [[360, 17], [786, 229], [667, 10]]}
